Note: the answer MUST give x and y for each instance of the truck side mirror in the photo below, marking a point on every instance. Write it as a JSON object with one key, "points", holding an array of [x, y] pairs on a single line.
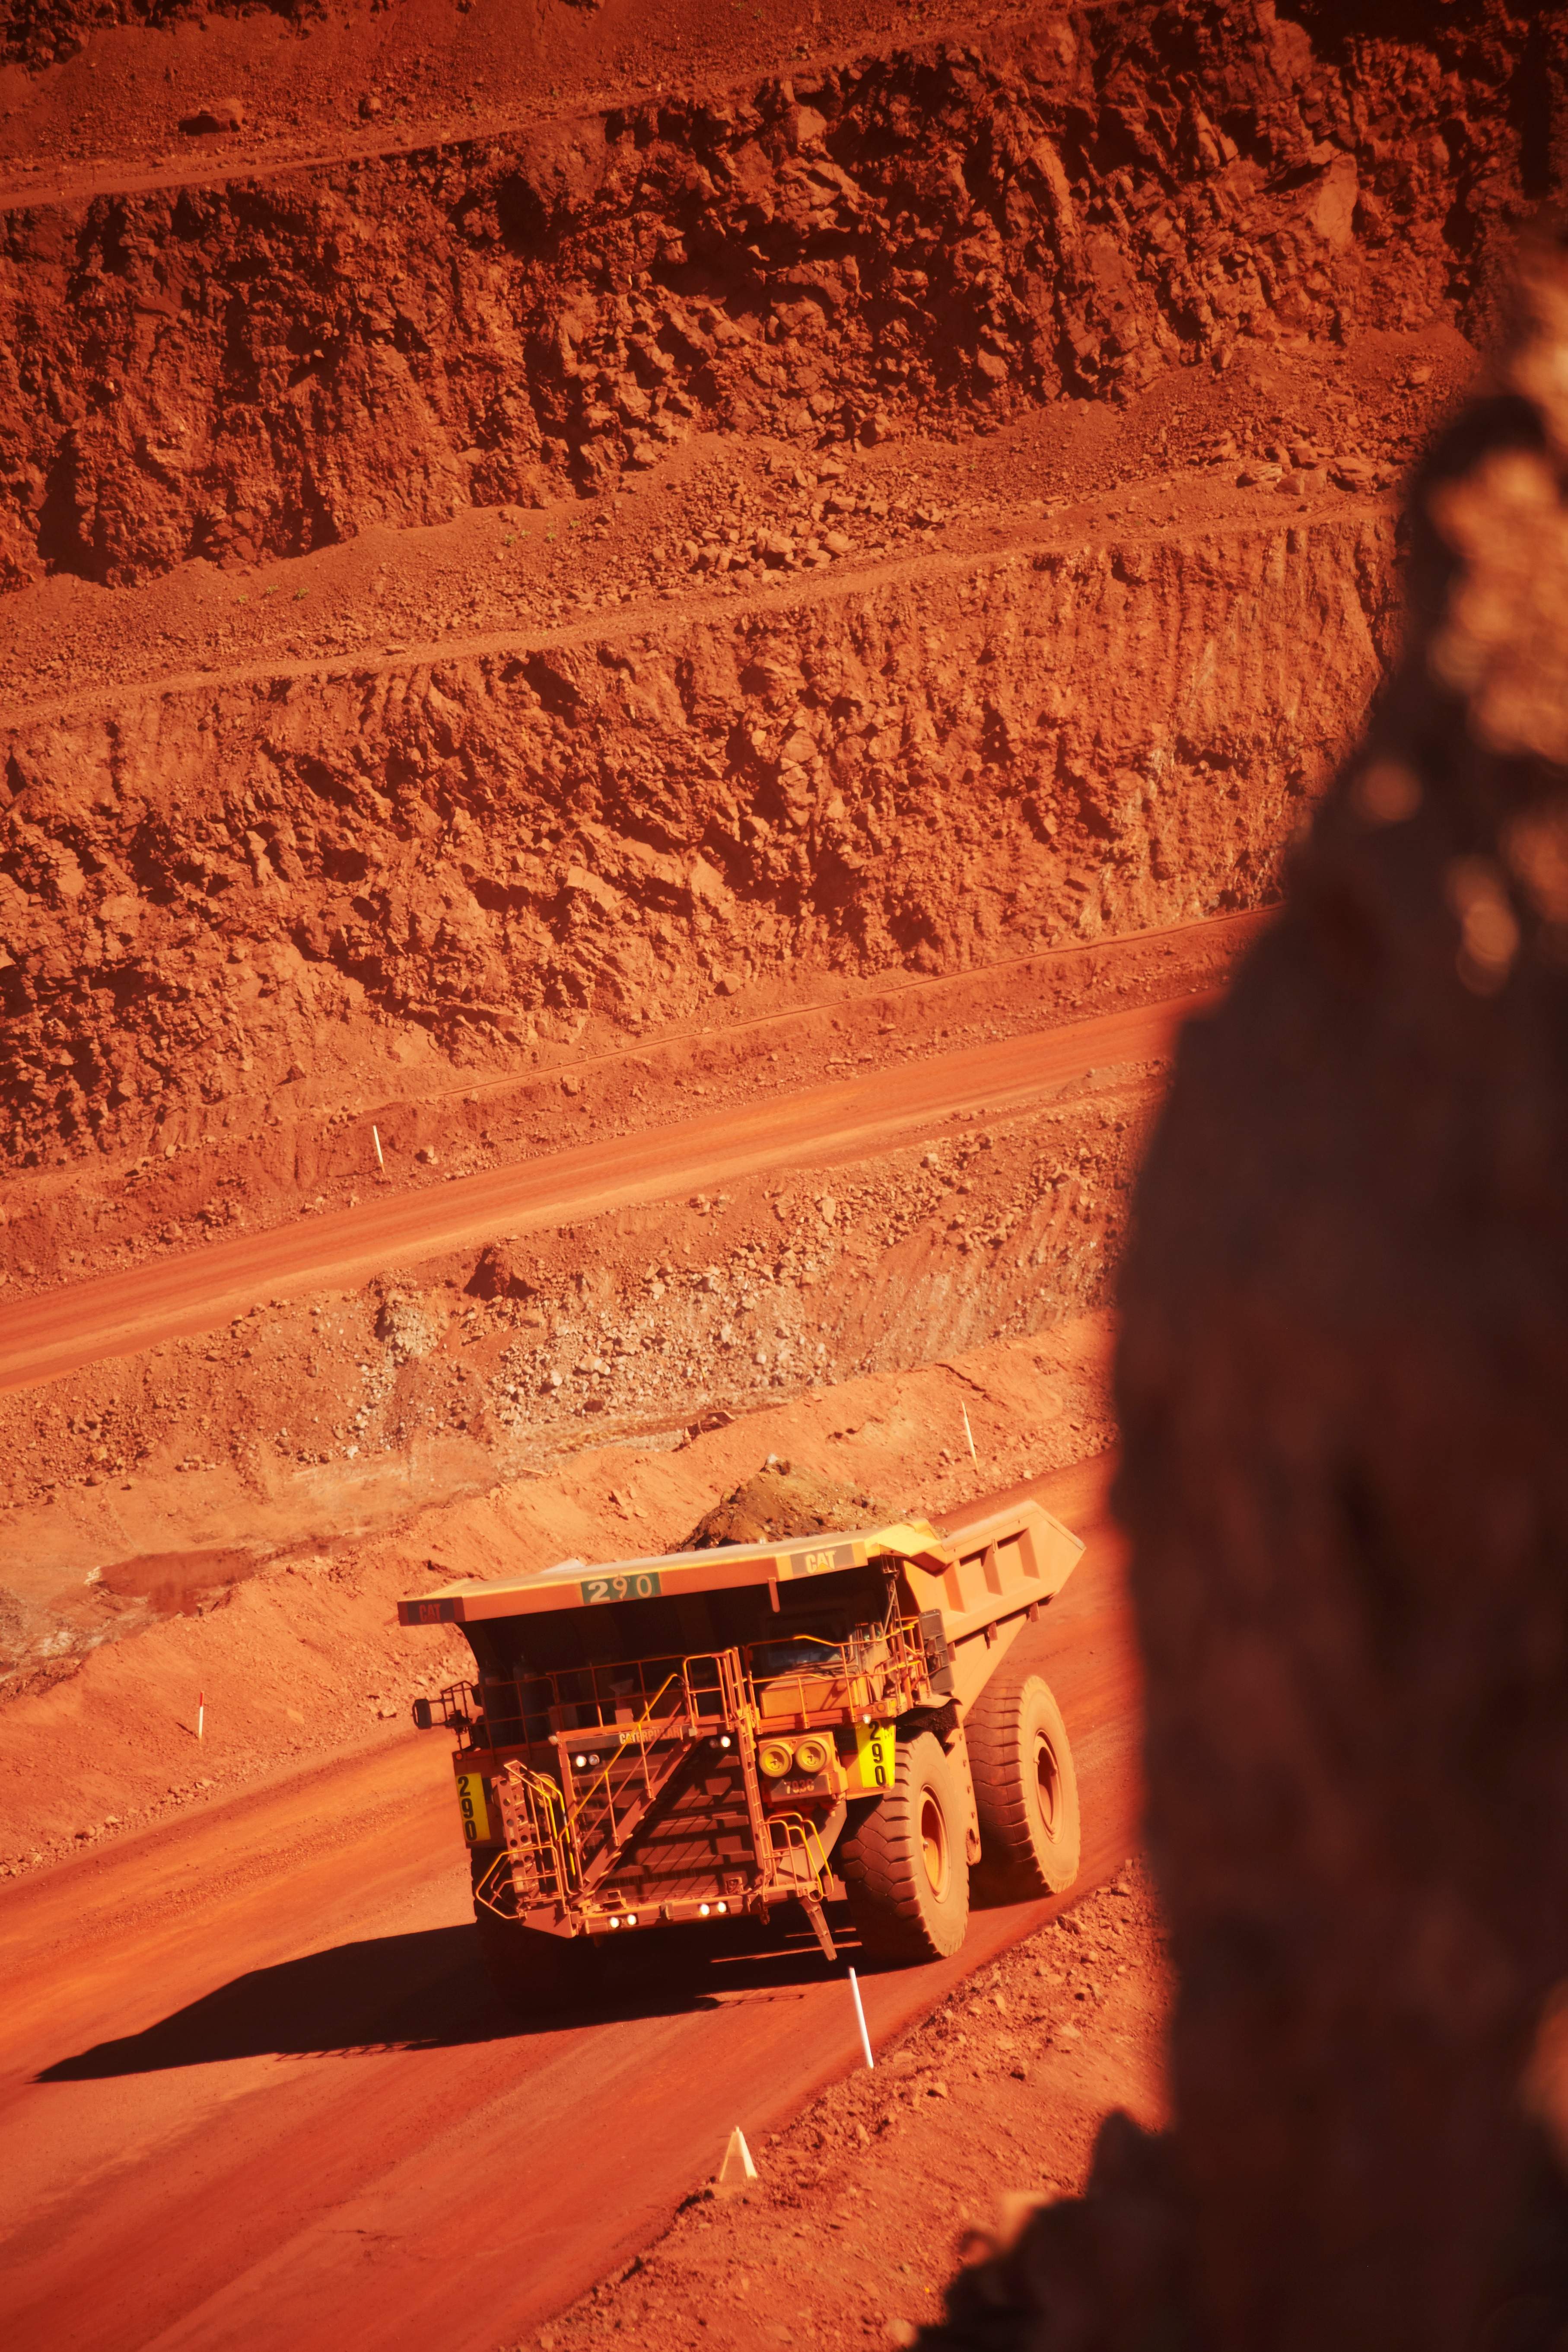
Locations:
{"points": [[423, 1715]]}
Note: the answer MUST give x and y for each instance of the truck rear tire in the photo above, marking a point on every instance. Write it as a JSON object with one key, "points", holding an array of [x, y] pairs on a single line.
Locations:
{"points": [[534, 1973], [1026, 1786], [904, 1868]]}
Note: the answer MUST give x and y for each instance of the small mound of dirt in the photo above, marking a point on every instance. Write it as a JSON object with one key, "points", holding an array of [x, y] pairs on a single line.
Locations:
{"points": [[779, 1501], [498, 1274], [174, 1583]]}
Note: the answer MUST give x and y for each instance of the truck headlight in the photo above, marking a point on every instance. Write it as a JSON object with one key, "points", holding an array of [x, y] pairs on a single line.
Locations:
{"points": [[812, 1757], [773, 1757]]}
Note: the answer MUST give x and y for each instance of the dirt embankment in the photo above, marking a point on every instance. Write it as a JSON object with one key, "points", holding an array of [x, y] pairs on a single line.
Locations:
{"points": [[956, 617], [50, 32], [261, 367], [336, 1410], [202, 892], [338, 1399], [442, 800], [255, 1161]]}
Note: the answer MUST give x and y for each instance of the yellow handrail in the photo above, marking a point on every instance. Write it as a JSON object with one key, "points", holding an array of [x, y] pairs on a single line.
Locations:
{"points": [[550, 1833], [795, 1827], [638, 1734], [874, 1671]]}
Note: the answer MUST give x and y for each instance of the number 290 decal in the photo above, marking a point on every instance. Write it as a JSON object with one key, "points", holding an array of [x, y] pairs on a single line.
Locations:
{"points": [[876, 1744], [644, 1586]]}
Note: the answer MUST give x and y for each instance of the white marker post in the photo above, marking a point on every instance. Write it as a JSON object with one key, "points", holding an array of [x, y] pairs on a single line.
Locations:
{"points": [[738, 2167], [200, 1715], [860, 2022], [974, 1458], [376, 1138]]}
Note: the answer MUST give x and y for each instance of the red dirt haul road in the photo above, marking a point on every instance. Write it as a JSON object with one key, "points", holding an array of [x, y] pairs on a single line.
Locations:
{"points": [[63, 1330], [255, 2090]]}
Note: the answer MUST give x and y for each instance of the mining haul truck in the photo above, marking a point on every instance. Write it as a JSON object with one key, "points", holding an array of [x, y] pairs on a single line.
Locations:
{"points": [[855, 1717]]}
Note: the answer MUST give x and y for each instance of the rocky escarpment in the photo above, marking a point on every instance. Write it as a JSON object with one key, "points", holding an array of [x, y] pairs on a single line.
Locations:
{"points": [[921, 772], [265, 365]]}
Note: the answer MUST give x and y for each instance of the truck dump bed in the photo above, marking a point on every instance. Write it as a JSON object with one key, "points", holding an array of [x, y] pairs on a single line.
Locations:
{"points": [[988, 1570]]}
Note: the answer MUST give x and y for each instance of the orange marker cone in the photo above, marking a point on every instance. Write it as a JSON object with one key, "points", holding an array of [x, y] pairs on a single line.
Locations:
{"points": [[737, 2171]]}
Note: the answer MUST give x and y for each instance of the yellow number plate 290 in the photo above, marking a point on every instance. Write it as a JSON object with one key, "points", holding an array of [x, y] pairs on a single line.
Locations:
{"points": [[475, 1811], [875, 1743]]}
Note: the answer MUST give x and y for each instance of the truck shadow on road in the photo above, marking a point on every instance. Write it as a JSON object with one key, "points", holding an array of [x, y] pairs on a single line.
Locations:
{"points": [[427, 1989]]}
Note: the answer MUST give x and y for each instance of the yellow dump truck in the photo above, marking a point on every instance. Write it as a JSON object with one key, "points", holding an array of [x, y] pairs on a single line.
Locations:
{"points": [[855, 1717]]}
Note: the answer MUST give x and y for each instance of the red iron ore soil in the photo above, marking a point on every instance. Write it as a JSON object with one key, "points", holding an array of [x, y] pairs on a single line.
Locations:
{"points": [[652, 653], [241, 2036]]}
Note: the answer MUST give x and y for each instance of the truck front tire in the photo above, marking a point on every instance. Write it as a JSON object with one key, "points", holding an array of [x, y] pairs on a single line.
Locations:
{"points": [[532, 1973], [903, 1862], [1026, 1787]]}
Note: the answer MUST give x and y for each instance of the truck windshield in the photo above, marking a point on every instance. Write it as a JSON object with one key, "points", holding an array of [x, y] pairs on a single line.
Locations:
{"points": [[796, 1651]]}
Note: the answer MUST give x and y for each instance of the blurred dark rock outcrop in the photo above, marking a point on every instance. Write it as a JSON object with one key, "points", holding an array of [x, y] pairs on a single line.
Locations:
{"points": [[1343, 1384]]}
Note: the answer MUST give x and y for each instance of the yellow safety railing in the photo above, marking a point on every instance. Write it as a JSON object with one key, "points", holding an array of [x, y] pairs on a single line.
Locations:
{"points": [[560, 1844], [539, 1843], [878, 1669], [629, 1738], [799, 1835]]}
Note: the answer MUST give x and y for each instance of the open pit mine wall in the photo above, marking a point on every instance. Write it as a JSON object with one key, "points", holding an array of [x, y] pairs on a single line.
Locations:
{"points": [[943, 766], [264, 366]]}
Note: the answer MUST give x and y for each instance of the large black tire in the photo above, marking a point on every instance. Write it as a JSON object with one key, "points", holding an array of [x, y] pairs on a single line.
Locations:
{"points": [[532, 1973], [1026, 1786], [905, 1869]]}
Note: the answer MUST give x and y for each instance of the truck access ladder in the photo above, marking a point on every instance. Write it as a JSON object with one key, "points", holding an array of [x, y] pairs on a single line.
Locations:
{"points": [[620, 1790], [564, 1841]]}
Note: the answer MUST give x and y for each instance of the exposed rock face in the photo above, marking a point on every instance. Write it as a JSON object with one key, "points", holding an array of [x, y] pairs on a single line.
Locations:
{"points": [[265, 366], [920, 773], [1344, 1387]]}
